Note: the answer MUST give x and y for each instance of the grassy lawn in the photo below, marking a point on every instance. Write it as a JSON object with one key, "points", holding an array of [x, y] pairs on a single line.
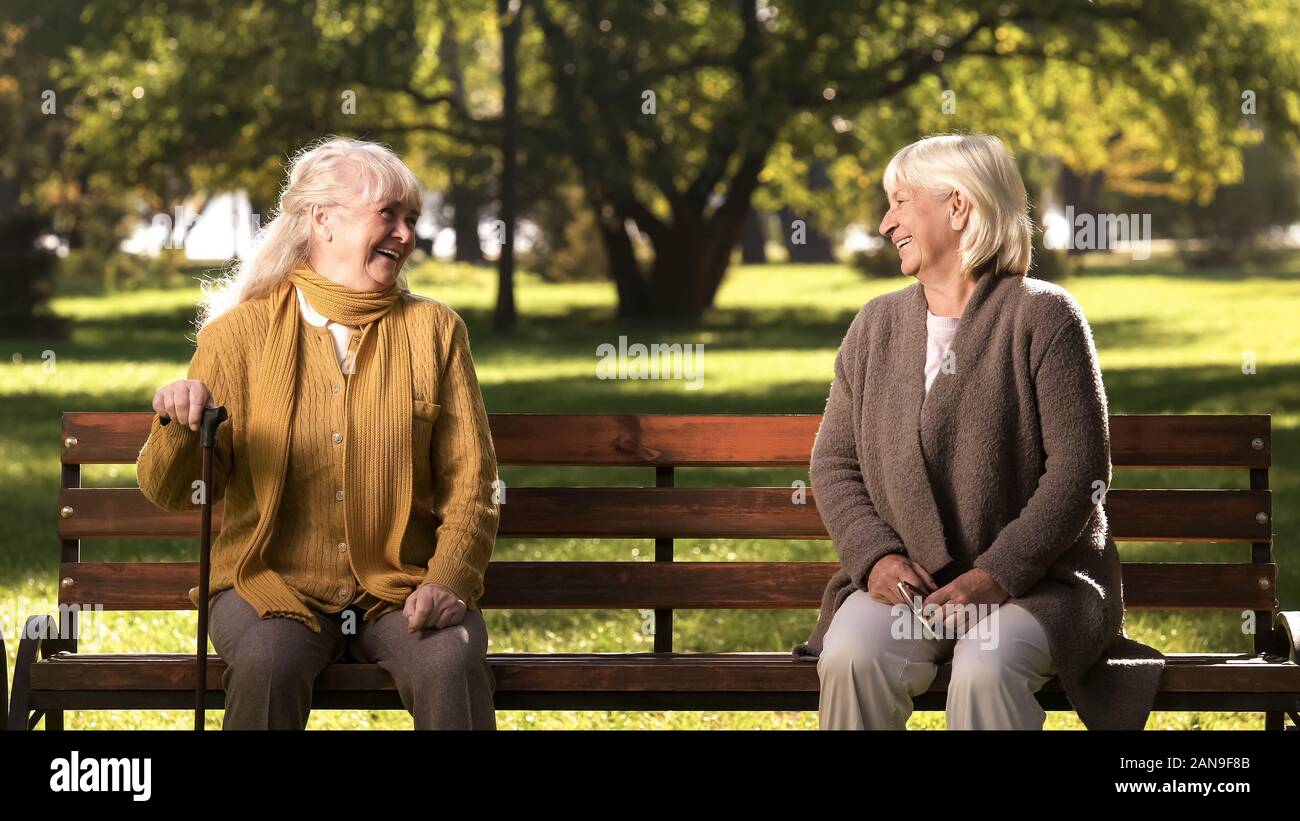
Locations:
{"points": [[1170, 342]]}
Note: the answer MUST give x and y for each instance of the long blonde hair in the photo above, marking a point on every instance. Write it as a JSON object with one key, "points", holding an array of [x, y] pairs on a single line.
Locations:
{"points": [[331, 171]]}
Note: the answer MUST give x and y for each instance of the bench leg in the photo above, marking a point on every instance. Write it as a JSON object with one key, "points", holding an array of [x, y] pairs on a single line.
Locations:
{"points": [[4, 682], [30, 646], [1286, 643]]}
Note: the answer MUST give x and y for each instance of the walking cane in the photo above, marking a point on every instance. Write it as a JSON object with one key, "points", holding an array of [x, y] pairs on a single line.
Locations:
{"points": [[212, 419]]}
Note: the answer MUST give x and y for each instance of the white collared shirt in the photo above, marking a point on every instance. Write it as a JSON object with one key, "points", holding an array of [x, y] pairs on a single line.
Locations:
{"points": [[342, 333]]}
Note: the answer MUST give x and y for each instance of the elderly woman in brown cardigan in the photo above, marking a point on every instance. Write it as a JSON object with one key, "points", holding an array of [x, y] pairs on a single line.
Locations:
{"points": [[965, 452], [357, 468]]}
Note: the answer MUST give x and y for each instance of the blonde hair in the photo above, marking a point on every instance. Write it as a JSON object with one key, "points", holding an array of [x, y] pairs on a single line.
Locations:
{"points": [[981, 168], [331, 171]]}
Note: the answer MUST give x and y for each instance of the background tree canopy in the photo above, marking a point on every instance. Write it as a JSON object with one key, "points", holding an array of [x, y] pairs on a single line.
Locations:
{"points": [[671, 118]]}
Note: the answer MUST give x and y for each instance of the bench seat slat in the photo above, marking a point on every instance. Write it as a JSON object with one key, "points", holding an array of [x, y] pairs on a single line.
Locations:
{"points": [[577, 672], [677, 585], [683, 512]]}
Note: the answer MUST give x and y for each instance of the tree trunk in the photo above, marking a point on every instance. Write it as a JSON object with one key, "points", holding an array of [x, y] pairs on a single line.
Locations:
{"points": [[506, 316], [26, 273], [816, 247], [753, 240], [465, 199], [1083, 192], [465, 203], [690, 263], [630, 284], [692, 252]]}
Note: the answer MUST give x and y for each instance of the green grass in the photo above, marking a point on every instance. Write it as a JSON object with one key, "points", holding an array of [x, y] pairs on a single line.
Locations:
{"points": [[1170, 342]]}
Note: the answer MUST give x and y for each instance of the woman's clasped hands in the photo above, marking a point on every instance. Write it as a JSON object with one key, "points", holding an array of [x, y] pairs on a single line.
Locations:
{"points": [[974, 587]]}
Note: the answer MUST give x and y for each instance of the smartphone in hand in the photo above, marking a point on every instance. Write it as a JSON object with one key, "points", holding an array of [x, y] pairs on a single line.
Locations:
{"points": [[914, 597]]}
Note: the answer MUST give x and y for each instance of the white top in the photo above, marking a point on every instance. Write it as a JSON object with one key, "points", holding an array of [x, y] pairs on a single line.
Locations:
{"points": [[940, 331], [342, 333]]}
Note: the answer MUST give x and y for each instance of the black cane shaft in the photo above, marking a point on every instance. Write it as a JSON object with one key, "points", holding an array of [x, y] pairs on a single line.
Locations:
{"points": [[205, 557], [212, 419]]}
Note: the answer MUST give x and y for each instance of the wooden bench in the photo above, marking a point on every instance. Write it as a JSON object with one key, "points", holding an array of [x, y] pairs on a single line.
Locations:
{"points": [[51, 676]]}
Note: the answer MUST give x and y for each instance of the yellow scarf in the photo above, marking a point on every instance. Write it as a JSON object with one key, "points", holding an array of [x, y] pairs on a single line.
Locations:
{"points": [[377, 471]]}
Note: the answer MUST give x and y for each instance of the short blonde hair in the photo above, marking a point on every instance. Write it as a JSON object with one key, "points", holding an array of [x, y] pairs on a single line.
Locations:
{"points": [[330, 171], [981, 168]]}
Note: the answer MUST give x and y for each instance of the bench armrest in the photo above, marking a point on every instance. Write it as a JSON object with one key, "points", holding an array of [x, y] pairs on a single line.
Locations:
{"points": [[1286, 634]]}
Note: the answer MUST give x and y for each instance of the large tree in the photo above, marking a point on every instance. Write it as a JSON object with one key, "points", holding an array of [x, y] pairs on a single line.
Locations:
{"points": [[673, 114], [750, 92]]}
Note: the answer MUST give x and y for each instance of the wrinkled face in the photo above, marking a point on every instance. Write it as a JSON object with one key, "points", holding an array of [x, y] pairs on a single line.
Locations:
{"points": [[919, 225], [364, 246]]}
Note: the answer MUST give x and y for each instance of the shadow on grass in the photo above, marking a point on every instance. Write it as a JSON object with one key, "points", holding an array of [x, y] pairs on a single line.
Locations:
{"points": [[1283, 267], [1204, 389]]}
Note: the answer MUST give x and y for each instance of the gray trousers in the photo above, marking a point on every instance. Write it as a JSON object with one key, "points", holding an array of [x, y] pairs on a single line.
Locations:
{"points": [[442, 676], [874, 661]]}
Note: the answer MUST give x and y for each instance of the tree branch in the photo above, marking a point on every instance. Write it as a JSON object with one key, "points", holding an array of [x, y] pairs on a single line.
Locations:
{"points": [[722, 140]]}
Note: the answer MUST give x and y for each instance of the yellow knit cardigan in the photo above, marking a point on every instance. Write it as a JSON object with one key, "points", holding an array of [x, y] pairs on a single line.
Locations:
{"points": [[453, 520]]}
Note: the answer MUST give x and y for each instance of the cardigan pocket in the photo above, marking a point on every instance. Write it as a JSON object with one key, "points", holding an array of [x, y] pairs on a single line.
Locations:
{"points": [[423, 416], [424, 411]]}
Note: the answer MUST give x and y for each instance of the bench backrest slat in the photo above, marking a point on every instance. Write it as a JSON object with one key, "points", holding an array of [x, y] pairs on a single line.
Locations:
{"points": [[685, 585], [648, 513], [730, 440]]}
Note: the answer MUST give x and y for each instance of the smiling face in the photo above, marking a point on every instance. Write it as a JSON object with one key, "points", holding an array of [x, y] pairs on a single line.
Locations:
{"points": [[362, 246], [924, 229]]}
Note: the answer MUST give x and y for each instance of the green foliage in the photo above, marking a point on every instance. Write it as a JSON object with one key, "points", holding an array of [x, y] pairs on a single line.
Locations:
{"points": [[179, 95], [569, 248], [86, 271], [876, 263], [1233, 228]]}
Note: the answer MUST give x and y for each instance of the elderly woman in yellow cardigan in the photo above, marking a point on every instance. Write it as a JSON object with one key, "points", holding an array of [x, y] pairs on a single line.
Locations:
{"points": [[357, 468]]}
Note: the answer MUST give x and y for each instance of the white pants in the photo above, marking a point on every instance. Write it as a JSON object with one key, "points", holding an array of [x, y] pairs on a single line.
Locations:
{"points": [[869, 675]]}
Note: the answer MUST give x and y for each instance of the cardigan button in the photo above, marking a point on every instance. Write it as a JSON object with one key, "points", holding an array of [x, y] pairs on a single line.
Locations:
{"points": [[343, 547], [338, 495], [334, 389], [337, 437]]}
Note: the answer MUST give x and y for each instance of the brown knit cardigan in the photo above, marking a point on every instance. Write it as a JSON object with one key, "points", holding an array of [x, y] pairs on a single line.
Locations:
{"points": [[994, 468]]}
